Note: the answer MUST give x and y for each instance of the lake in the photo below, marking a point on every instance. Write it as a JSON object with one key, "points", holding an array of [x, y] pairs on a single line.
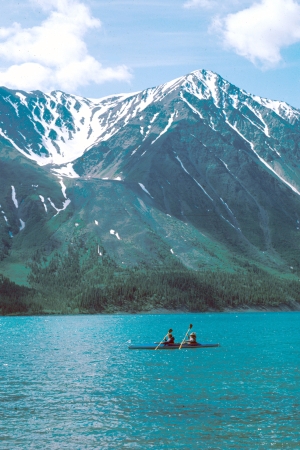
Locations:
{"points": [[69, 382]]}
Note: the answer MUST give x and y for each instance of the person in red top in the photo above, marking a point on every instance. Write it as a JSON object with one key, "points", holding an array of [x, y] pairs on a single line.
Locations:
{"points": [[170, 339]]}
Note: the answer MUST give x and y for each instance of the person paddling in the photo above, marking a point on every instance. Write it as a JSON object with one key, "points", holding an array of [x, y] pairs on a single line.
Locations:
{"points": [[192, 339], [169, 339]]}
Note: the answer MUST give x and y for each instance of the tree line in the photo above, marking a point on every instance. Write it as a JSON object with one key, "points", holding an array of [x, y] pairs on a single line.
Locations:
{"points": [[80, 280], [14, 298]]}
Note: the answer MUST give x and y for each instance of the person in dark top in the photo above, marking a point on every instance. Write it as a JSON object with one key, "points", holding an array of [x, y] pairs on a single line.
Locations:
{"points": [[170, 339]]}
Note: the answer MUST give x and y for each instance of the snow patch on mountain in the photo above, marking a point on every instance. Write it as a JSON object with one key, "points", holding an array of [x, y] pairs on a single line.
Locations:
{"points": [[65, 204], [211, 81], [22, 98], [154, 117], [5, 218], [191, 106], [260, 117], [282, 109], [13, 195], [179, 160], [170, 120], [63, 188], [113, 232], [224, 203], [12, 104], [22, 225], [66, 171], [145, 190], [234, 127], [229, 223], [43, 201]]}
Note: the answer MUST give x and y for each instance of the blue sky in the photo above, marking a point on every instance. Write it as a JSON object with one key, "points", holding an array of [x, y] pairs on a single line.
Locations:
{"points": [[96, 48]]}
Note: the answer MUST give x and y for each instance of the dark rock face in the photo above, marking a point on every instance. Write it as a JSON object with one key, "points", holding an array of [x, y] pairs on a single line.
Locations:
{"points": [[196, 169]]}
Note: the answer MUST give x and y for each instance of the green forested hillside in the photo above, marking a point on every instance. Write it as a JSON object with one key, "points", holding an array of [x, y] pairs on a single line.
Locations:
{"points": [[82, 281], [14, 298]]}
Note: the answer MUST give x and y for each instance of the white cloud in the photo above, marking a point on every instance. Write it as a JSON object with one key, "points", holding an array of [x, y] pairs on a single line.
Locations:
{"points": [[54, 55], [260, 32]]}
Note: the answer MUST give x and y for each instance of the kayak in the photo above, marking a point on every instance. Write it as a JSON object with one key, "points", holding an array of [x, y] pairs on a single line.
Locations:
{"points": [[169, 346]]}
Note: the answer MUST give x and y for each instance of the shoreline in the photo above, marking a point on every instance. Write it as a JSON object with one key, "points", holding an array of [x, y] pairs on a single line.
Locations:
{"points": [[292, 307], [229, 310]]}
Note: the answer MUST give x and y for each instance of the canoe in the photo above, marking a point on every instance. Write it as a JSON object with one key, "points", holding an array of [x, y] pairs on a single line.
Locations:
{"points": [[169, 346]]}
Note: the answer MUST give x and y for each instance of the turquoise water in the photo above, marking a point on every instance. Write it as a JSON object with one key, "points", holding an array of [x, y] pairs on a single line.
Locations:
{"points": [[70, 383]]}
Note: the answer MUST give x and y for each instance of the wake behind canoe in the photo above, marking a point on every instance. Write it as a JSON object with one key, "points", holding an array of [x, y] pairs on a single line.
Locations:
{"points": [[169, 346]]}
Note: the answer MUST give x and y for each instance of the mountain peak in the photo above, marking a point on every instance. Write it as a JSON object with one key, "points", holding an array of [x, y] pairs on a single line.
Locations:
{"points": [[61, 127]]}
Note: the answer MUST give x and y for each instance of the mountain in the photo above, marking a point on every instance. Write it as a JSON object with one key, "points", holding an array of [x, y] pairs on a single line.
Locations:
{"points": [[195, 173]]}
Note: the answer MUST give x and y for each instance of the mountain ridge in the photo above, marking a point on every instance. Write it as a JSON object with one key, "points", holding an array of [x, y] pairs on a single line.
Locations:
{"points": [[55, 107]]}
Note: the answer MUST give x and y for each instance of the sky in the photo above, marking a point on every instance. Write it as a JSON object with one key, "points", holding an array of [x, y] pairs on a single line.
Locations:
{"points": [[95, 48]]}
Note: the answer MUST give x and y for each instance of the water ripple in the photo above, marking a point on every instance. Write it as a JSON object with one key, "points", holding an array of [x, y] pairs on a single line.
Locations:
{"points": [[70, 383]]}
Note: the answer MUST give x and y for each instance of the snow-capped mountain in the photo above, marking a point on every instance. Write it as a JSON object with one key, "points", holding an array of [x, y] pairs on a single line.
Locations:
{"points": [[59, 127], [195, 168]]}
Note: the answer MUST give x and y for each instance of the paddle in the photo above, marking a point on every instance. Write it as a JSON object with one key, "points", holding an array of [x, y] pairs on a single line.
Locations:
{"points": [[170, 331], [191, 326]]}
